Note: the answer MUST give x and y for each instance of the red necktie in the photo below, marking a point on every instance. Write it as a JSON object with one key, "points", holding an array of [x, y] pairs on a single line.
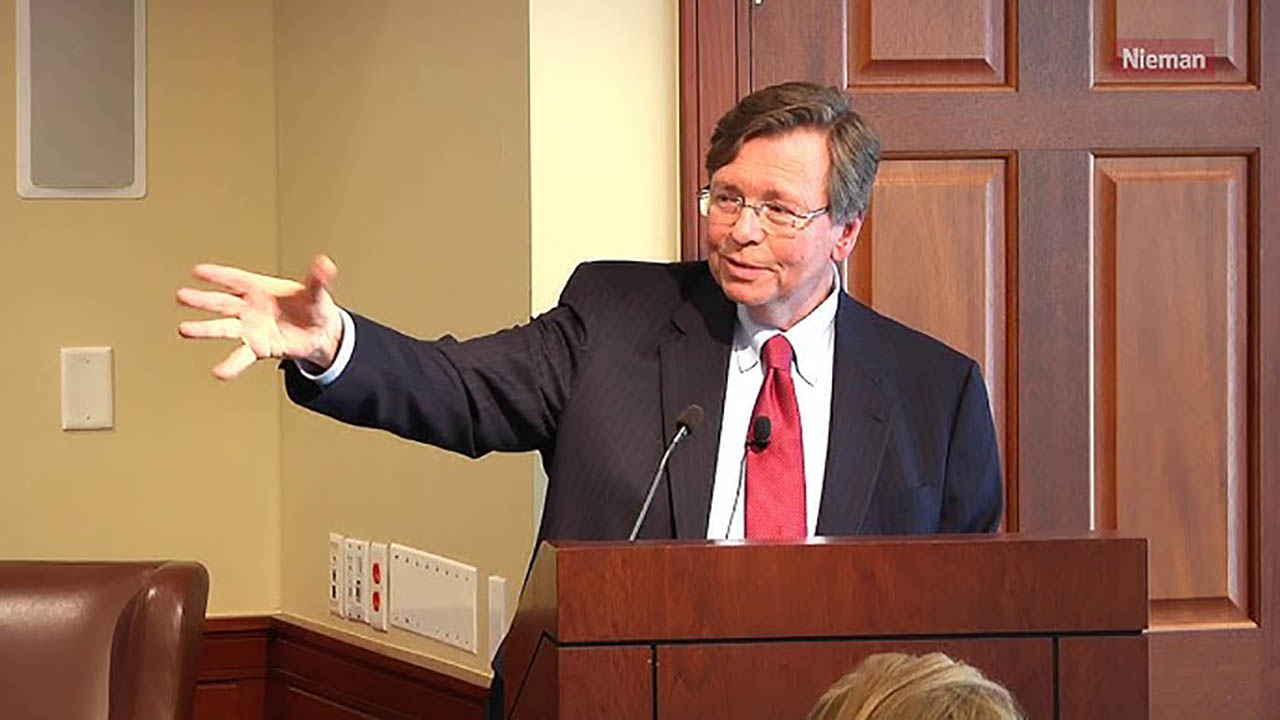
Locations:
{"points": [[775, 475]]}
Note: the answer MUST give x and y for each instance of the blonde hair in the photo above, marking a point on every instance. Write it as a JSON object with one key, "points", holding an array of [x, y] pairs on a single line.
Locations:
{"points": [[894, 686]]}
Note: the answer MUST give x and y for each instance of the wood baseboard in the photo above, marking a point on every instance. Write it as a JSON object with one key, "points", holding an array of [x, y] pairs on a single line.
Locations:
{"points": [[267, 668]]}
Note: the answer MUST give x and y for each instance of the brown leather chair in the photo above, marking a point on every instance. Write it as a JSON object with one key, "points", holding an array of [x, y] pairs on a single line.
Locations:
{"points": [[100, 641]]}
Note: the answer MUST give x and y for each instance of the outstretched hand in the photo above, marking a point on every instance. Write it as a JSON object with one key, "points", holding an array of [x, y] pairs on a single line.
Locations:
{"points": [[271, 317]]}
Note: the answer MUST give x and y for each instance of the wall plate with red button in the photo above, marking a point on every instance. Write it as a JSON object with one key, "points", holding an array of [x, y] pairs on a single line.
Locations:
{"points": [[377, 582]]}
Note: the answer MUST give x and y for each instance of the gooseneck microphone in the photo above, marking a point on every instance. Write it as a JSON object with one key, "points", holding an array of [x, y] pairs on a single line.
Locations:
{"points": [[690, 418], [761, 433]]}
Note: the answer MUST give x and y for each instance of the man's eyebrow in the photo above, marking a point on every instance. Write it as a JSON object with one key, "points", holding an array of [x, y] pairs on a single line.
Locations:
{"points": [[769, 194], [773, 194], [726, 186]]}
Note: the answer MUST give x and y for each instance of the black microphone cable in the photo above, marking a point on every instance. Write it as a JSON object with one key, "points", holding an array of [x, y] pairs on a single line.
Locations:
{"points": [[761, 434]]}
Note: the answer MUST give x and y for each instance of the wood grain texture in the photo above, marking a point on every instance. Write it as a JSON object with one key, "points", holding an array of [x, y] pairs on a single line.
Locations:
{"points": [[1207, 674], [230, 700], [1170, 351], [606, 682], [870, 587], [934, 123], [776, 57], [231, 683], [388, 689], [532, 691], [925, 43], [1053, 341], [720, 77], [583, 683], [783, 680], [255, 667], [1055, 124], [298, 703], [1103, 678], [1264, 370], [234, 648], [932, 254], [1222, 27]]}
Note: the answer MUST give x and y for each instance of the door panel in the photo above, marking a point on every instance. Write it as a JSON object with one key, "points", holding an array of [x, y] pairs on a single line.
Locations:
{"points": [[930, 42], [1219, 28], [777, 58], [1121, 288], [932, 254], [1170, 345]]}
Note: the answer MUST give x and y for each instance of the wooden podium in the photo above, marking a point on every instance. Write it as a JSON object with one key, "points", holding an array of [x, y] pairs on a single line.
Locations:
{"points": [[759, 630]]}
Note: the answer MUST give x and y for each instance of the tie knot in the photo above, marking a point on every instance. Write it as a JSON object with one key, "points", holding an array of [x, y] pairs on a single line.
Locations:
{"points": [[777, 353]]}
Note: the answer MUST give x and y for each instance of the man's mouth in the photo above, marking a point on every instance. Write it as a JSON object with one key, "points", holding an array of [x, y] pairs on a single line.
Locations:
{"points": [[739, 265]]}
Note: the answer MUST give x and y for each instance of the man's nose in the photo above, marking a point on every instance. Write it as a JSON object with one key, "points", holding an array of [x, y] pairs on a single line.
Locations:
{"points": [[746, 227]]}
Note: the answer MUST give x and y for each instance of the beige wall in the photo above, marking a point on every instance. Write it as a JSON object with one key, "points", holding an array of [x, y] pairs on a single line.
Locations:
{"points": [[436, 150], [604, 148], [191, 469], [404, 153], [424, 190]]}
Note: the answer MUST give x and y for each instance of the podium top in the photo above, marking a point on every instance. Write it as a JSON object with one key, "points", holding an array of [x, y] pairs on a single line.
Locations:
{"points": [[654, 591]]}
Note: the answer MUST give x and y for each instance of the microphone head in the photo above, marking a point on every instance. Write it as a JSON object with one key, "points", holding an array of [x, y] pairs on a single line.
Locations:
{"points": [[761, 431], [691, 417]]}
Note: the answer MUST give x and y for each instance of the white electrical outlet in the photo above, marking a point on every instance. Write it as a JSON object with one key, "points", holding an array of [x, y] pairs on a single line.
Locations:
{"points": [[376, 581], [355, 560], [337, 588], [433, 596], [497, 613]]}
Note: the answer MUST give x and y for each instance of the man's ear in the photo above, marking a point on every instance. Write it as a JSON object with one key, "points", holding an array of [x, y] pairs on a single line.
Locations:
{"points": [[848, 238]]}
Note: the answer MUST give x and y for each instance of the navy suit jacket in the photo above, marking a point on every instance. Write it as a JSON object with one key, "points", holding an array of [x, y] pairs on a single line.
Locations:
{"points": [[597, 383]]}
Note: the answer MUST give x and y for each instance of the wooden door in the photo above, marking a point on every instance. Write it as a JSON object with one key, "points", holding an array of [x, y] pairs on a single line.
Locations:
{"points": [[1103, 239]]}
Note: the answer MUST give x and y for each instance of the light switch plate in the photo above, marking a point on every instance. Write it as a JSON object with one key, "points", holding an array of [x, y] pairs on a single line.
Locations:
{"points": [[88, 395], [433, 596]]}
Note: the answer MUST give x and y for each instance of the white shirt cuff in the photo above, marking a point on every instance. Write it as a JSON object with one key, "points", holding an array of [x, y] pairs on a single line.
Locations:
{"points": [[345, 349]]}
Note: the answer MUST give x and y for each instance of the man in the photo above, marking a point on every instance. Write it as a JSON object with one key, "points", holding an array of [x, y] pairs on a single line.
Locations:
{"points": [[873, 428]]}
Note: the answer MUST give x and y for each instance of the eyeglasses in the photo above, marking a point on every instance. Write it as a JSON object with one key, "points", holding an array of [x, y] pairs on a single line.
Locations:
{"points": [[723, 208]]}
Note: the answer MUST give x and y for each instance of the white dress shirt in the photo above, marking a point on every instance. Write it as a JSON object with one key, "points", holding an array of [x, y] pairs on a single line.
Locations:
{"points": [[345, 348], [813, 342]]}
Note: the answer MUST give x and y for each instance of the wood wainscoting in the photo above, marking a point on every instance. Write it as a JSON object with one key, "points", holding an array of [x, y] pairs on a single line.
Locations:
{"points": [[267, 668]]}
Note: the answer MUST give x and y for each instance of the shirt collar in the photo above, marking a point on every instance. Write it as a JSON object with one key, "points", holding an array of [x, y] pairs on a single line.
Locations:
{"points": [[808, 337]]}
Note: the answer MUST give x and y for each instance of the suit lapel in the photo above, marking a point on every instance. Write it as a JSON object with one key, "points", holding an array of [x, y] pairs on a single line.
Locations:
{"points": [[860, 414], [694, 360]]}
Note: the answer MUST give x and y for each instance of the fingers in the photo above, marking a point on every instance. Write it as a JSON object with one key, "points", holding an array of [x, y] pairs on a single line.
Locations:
{"points": [[219, 302], [242, 282], [233, 278], [237, 362], [320, 275], [252, 295], [222, 328]]}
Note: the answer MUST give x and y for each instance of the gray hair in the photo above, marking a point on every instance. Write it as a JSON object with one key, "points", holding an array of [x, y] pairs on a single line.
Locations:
{"points": [[853, 146]]}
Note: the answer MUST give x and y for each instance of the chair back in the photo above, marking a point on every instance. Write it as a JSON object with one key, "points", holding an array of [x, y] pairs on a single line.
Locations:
{"points": [[100, 640]]}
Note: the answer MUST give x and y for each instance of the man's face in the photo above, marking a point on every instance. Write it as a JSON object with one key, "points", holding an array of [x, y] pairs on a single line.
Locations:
{"points": [[780, 279]]}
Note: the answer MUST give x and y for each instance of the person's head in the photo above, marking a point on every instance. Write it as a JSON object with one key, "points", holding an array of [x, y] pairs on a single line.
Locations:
{"points": [[801, 155], [893, 686]]}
